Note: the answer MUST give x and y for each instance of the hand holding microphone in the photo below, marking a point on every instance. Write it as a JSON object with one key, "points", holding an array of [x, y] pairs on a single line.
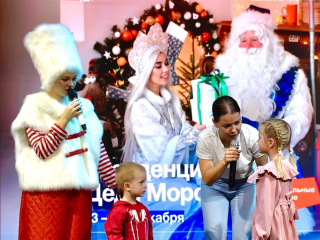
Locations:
{"points": [[233, 153], [74, 96]]}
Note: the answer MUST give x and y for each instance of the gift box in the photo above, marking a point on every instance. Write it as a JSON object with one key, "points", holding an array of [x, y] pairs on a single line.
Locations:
{"points": [[205, 91]]}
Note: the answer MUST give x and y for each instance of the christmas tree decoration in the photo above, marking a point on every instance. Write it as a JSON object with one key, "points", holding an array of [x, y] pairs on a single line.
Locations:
{"points": [[121, 61], [171, 5], [205, 37], [199, 8], [216, 47], [126, 35], [116, 50], [117, 34], [173, 16], [214, 35], [214, 54], [158, 6], [135, 21], [178, 15], [203, 14], [159, 19], [195, 16], [107, 55], [126, 52], [187, 16], [150, 20], [134, 33], [144, 26]]}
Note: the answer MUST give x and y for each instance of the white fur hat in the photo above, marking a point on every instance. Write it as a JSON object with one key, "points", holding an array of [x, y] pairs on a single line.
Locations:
{"points": [[53, 52], [251, 20]]}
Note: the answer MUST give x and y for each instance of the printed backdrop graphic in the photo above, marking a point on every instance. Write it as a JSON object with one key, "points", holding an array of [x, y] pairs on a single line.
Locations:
{"points": [[173, 198]]}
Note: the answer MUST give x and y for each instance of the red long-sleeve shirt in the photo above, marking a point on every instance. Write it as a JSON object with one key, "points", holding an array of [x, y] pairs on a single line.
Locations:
{"points": [[45, 144]]}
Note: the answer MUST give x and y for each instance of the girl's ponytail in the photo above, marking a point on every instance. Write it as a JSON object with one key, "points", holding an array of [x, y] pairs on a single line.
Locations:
{"points": [[291, 159]]}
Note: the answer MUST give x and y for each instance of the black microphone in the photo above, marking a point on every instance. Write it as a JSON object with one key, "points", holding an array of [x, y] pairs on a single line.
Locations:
{"points": [[73, 95], [233, 165]]}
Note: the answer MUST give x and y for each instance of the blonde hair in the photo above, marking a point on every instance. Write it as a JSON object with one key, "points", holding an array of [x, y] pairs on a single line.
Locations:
{"points": [[126, 173], [280, 131]]}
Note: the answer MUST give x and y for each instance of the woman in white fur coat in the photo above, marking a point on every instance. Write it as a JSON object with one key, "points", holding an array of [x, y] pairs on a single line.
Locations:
{"points": [[57, 159], [156, 128]]}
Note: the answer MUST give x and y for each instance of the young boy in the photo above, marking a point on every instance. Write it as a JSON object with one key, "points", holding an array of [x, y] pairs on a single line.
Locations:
{"points": [[129, 219]]}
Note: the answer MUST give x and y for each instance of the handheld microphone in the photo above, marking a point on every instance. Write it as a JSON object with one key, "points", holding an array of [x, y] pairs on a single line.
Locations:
{"points": [[233, 165], [73, 95]]}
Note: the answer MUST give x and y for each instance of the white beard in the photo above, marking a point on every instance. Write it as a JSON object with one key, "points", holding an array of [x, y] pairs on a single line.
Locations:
{"points": [[257, 74]]}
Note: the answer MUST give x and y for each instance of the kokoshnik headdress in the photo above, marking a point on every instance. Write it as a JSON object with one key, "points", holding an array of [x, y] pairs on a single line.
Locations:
{"points": [[53, 51], [145, 45]]}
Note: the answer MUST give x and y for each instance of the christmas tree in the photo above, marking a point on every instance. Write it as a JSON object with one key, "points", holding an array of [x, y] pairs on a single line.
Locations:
{"points": [[114, 51]]}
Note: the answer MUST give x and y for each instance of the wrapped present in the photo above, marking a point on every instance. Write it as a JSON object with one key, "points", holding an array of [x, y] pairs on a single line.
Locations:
{"points": [[205, 91]]}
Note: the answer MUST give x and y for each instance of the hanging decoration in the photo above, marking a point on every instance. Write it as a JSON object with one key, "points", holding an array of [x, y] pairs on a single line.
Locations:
{"points": [[135, 21], [198, 8], [187, 15], [117, 34], [126, 35], [159, 19], [158, 6], [116, 50], [171, 5], [107, 55], [205, 37]]}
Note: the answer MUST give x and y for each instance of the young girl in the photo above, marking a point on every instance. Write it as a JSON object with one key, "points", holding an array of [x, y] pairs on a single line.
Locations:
{"points": [[275, 212], [128, 218]]}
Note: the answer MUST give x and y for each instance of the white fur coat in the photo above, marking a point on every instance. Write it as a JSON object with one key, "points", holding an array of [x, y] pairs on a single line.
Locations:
{"points": [[156, 141], [40, 112]]}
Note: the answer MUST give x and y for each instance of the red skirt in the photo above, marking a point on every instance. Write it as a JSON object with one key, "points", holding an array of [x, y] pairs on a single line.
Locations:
{"points": [[55, 215]]}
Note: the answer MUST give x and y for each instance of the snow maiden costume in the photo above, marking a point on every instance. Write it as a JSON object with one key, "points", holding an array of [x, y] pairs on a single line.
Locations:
{"points": [[57, 167], [160, 134], [270, 84]]}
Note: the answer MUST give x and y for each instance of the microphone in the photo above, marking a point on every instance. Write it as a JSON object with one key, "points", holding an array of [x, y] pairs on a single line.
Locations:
{"points": [[73, 95], [233, 164]]}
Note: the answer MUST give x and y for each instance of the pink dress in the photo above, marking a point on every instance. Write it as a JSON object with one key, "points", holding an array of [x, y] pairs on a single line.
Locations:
{"points": [[275, 212]]}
